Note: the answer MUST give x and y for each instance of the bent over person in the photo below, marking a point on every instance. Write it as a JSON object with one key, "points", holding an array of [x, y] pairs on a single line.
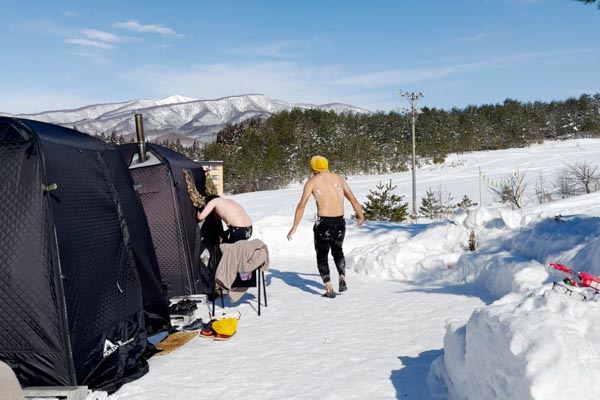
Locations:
{"points": [[328, 190], [239, 224]]}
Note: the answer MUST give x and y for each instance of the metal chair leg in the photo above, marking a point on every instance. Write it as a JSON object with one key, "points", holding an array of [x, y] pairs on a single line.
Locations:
{"points": [[214, 300], [258, 284], [264, 285]]}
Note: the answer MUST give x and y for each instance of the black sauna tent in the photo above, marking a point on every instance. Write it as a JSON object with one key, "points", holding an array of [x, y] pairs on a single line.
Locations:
{"points": [[182, 248], [79, 282]]}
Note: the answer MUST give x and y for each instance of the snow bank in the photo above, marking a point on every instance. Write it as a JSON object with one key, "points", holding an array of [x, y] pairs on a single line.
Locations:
{"points": [[418, 254], [500, 273], [532, 343], [541, 345]]}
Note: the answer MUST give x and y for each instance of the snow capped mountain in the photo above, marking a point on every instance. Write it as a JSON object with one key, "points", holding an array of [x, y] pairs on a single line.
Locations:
{"points": [[175, 116]]}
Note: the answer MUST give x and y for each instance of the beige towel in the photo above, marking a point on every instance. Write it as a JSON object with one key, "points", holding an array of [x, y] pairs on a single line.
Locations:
{"points": [[241, 256]]}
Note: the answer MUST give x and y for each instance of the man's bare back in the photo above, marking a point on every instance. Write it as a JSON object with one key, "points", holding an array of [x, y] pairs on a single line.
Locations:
{"points": [[230, 212], [328, 190]]}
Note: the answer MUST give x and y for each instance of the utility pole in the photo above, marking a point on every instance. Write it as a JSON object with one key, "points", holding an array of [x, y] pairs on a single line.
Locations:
{"points": [[413, 98]]}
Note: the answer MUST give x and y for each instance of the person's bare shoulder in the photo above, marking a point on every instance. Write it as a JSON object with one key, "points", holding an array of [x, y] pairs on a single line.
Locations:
{"points": [[338, 178]]}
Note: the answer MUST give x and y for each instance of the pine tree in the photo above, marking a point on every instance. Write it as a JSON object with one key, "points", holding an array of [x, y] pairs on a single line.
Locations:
{"points": [[465, 203], [433, 206], [113, 138], [383, 205]]}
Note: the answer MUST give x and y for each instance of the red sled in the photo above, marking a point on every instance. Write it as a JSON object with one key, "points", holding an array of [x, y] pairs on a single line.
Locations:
{"points": [[589, 280], [586, 279], [571, 275], [563, 268]]}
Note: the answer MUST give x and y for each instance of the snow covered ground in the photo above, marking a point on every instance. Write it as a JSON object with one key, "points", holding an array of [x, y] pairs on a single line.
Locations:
{"points": [[424, 318]]}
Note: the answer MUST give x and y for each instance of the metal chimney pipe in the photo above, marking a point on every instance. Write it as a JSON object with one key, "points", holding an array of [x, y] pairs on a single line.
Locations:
{"points": [[141, 142]]}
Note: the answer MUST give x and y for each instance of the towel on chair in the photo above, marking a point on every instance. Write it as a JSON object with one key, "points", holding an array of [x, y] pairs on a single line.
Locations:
{"points": [[242, 256]]}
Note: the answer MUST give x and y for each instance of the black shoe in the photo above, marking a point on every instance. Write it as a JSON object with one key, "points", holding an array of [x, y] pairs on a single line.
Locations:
{"points": [[183, 307], [194, 325], [329, 295], [343, 286]]}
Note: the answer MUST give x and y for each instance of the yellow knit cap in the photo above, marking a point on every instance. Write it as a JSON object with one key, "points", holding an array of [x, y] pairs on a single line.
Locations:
{"points": [[319, 164]]}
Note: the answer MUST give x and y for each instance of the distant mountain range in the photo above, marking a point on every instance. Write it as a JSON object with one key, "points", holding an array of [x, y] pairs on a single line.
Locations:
{"points": [[175, 117]]}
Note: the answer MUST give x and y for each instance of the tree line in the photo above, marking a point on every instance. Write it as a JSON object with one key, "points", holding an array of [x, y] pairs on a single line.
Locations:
{"points": [[264, 154]]}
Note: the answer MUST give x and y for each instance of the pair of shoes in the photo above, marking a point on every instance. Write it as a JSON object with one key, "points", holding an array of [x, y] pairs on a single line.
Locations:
{"points": [[343, 286], [209, 333], [183, 307], [329, 295], [194, 325]]}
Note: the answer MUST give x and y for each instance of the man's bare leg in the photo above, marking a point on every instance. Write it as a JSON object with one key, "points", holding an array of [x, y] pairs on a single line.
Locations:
{"points": [[329, 287]]}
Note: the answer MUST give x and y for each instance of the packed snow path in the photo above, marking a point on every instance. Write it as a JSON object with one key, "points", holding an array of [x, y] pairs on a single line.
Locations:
{"points": [[377, 341]]}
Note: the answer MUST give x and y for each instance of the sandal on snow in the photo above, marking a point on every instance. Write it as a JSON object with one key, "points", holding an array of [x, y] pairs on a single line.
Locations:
{"points": [[329, 295], [222, 337], [207, 333], [343, 286]]}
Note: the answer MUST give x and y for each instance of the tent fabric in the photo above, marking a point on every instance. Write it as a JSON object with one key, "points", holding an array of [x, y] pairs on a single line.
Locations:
{"points": [[171, 216], [79, 281]]}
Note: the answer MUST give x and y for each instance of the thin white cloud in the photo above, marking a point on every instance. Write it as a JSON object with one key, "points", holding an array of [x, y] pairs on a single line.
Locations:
{"points": [[94, 34], [89, 43], [296, 82], [98, 39], [69, 14], [402, 76], [135, 26]]}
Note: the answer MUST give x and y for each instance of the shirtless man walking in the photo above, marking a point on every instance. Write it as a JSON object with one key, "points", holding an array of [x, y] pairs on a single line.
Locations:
{"points": [[233, 214], [329, 190]]}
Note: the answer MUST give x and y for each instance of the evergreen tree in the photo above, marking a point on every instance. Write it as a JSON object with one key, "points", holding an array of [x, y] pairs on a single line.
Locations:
{"points": [[431, 206], [113, 138], [465, 203], [270, 153], [383, 205], [434, 206]]}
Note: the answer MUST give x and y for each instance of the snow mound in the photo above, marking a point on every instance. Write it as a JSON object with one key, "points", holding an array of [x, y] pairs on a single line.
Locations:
{"points": [[413, 254], [540, 345], [511, 218]]}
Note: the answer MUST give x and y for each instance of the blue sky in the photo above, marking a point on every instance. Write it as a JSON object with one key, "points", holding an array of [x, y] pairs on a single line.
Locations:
{"points": [[65, 54]]}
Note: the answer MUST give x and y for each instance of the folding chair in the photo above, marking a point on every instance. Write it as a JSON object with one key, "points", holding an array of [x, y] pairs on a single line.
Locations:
{"points": [[257, 279]]}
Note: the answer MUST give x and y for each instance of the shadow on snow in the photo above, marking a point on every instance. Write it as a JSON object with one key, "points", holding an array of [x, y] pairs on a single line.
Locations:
{"points": [[297, 280], [472, 289], [410, 381]]}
